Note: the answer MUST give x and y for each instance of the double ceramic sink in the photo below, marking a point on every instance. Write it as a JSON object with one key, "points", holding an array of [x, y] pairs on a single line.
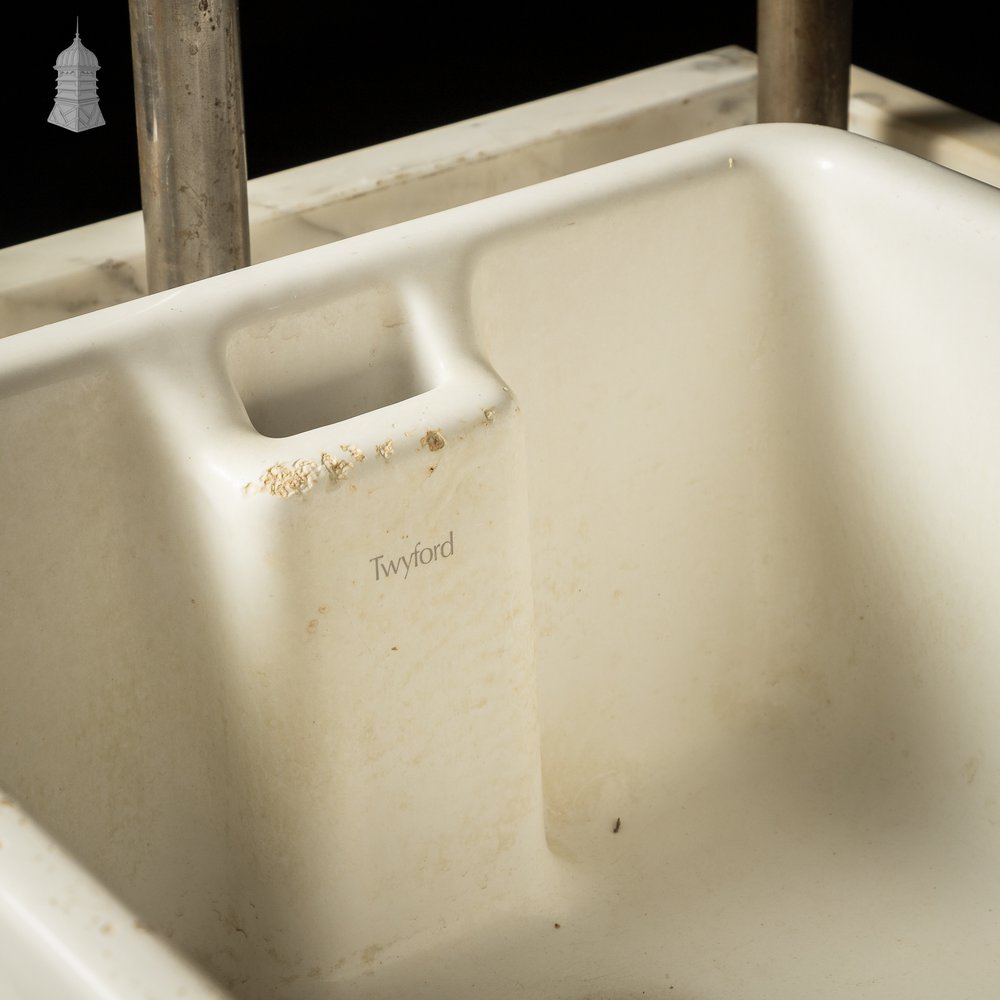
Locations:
{"points": [[586, 592]]}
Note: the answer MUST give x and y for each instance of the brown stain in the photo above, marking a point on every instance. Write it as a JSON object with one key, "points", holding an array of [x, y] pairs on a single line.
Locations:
{"points": [[323, 609], [231, 921], [971, 768], [312, 626], [430, 469], [430, 174], [371, 953], [433, 440]]}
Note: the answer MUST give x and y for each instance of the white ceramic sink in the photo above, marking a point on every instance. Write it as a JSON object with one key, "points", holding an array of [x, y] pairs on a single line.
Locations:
{"points": [[654, 658]]}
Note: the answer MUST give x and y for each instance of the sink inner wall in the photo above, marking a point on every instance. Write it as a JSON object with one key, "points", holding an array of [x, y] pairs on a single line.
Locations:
{"points": [[753, 443]]}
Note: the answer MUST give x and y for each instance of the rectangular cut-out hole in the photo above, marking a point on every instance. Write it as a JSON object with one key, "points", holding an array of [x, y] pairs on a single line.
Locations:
{"points": [[296, 371]]}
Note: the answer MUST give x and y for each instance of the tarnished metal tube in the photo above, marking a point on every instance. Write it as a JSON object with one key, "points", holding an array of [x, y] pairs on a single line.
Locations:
{"points": [[192, 156], [803, 61]]}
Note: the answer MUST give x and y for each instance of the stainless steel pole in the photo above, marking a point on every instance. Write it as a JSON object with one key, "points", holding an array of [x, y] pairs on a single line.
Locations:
{"points": [[803, 61], [192, 157]]}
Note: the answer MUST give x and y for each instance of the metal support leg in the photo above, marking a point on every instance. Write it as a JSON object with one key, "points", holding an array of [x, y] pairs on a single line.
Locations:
{"points": [[189, 113], [803, 61]]}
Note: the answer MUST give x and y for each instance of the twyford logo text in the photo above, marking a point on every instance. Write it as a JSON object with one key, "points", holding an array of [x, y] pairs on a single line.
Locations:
{"points": [[420, 556]]}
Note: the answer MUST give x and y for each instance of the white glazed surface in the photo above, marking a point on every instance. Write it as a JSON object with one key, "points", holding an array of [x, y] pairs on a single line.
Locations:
{"points": [[711, 432]]}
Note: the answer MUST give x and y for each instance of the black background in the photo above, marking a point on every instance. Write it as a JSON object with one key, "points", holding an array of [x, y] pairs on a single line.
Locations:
{"points": [[320, 81]]}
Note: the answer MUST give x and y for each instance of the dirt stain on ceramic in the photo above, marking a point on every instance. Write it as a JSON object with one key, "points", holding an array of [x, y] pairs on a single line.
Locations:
{"points": [[295, 479], [339, 469], [433, 440]]}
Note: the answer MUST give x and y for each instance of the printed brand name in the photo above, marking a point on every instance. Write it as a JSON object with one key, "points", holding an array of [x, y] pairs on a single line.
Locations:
{"points": [[420, 556]]}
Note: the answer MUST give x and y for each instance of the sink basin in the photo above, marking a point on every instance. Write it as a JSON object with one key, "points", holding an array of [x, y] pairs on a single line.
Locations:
{"points": [[586, 592]]}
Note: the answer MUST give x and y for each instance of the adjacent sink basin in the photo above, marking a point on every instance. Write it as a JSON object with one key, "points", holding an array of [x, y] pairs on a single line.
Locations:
{"points": [[587, 592]]}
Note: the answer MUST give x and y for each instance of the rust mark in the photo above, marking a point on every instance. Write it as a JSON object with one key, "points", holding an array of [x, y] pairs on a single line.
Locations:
{"points": [[433, 440]]}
